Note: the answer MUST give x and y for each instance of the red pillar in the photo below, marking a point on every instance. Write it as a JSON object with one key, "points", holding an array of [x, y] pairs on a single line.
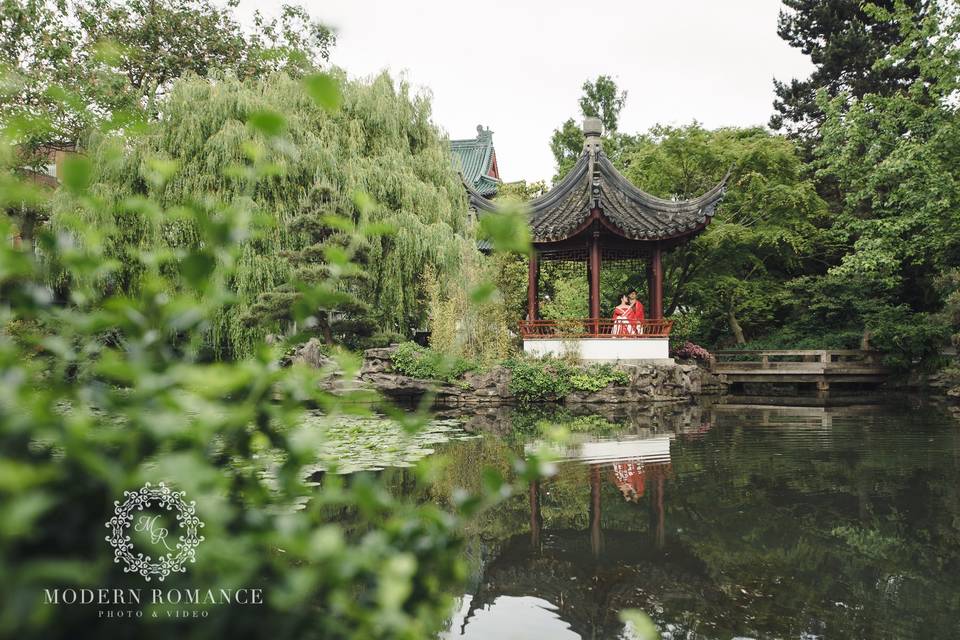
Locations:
{"points": [[596, 532], [655, 284], [661, 521], [536, 518], [595, 281], [533, 278], [649, 307]]}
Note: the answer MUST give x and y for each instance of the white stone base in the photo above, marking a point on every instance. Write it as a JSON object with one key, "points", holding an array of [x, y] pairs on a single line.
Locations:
{"points": [[603, 349]]}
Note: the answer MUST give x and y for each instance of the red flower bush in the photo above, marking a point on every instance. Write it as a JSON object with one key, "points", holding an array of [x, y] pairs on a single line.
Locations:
{"points": [[691, 351]]}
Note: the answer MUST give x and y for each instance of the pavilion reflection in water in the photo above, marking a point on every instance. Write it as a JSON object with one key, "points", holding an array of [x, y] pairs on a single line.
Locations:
{"points": [[583, 578], [629, 463]]}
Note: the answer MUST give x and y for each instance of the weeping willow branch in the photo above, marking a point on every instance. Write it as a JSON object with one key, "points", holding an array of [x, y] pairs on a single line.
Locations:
{"points": [[380, 142]]}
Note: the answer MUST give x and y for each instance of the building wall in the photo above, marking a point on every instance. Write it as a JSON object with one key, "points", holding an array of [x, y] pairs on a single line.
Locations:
{"points": [[603, 349]]}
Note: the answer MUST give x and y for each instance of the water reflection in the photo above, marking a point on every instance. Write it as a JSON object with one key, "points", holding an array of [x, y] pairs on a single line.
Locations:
{"points": [[719, 521]]}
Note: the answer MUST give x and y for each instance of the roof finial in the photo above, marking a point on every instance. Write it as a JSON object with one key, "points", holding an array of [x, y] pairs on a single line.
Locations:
{"points": [[592, 130]]}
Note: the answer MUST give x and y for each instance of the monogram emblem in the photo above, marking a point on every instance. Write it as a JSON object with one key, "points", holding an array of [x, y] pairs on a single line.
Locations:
{"points": [[142, 506]]}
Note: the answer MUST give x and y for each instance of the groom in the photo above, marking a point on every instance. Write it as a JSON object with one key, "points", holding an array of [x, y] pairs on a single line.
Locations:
{"points": [[635, 314]]}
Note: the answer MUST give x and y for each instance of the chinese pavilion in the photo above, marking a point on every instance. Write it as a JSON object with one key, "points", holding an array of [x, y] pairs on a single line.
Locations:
{"points": [[594, 216]]}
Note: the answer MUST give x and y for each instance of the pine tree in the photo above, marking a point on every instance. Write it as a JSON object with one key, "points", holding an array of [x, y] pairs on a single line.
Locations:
{"points": [[602, 99], [845, 40]]}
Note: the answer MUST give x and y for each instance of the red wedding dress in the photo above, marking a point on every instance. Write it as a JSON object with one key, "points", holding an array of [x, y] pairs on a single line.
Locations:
{"points": [[621, 321]]}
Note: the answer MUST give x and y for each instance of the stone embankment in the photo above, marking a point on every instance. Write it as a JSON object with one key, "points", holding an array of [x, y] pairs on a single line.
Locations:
{"points": [[654, 382]]}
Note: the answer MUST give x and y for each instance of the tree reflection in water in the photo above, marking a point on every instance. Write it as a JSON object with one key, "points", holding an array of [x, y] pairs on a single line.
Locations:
{"points": [[760, 522]]}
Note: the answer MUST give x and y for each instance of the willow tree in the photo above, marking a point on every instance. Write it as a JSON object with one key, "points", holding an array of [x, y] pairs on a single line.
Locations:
{"points": [[379, 143]]}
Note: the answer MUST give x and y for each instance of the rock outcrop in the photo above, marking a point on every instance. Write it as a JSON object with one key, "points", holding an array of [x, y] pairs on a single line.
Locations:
{"points": [[311, 353]]}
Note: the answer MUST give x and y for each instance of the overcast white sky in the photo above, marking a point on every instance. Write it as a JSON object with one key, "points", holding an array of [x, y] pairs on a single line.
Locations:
{"points": [[517, 66]]}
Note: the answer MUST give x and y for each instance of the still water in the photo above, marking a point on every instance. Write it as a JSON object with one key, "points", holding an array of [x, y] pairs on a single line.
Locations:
{"points": [[720, 521]]}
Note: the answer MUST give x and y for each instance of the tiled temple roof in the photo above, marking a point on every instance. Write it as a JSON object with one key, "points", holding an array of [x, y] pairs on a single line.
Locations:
{"points": [[476, 161], [594, 183]]}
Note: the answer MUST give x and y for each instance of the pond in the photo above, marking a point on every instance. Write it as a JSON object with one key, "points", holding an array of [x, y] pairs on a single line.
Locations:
{"points": [[720, 521]]}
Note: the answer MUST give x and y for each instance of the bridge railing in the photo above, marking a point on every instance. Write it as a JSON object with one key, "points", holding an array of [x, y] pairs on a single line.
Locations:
{"points": [[594, 328], [795, 359]]}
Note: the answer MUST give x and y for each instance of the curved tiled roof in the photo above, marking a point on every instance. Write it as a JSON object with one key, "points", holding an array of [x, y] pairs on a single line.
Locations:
{"points": [[593, 182], [475, 159]]}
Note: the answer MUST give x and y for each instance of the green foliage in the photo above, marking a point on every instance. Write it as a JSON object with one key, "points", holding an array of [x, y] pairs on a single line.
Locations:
{"points": [[603, 99], [507, 229], [565, 296], [949, 285], [597, 377], [521, 191], [911, 344], [849, 44], [411, 359], [566, 144], [104, 62], [765, 232], [107, 388], [892, 159], [538, 380], [639, 624], [380, 141], [535, 380], [468, 314]]}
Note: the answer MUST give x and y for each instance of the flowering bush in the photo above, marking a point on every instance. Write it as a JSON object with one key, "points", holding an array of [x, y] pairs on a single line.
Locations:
{"points": [[691, 351]]}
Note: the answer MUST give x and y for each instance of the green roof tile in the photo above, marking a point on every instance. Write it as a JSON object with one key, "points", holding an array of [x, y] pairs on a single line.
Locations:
{"points": [[474, 159]]}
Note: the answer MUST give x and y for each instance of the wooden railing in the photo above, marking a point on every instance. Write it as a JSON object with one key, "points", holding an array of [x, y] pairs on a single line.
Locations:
{"points": [[795, 359], [594, 328]]}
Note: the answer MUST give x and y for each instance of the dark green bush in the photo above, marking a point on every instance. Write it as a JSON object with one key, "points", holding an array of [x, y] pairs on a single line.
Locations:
{"points": [[534, 380], [907, 340], [416, 361]]}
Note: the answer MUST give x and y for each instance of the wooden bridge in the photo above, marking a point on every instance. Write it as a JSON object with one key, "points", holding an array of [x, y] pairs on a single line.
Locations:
{"points": [[818, 366]]}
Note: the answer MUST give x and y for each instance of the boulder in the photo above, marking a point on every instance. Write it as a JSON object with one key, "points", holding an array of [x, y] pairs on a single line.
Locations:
{"points": [[311, 353]]}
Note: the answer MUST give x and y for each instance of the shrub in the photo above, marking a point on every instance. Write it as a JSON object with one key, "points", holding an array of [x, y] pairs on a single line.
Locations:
{"points": [[691, 351], [413, 360], [469, 317], [907, 340], [597, 376], [537, 380]]}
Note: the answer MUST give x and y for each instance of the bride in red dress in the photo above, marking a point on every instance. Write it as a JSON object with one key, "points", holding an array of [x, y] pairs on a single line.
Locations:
{"points": [[622, 316]]}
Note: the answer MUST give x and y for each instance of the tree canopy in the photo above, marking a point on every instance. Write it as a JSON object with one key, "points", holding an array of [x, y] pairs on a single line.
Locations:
{"points": [[380, 142], [848, 42], [603, 99], [769, 228], [842, 233], [79, 62], [892, 160]]}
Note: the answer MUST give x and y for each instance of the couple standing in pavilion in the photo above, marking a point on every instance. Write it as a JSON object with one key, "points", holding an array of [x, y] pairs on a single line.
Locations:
{"points": [[628, 315]]}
